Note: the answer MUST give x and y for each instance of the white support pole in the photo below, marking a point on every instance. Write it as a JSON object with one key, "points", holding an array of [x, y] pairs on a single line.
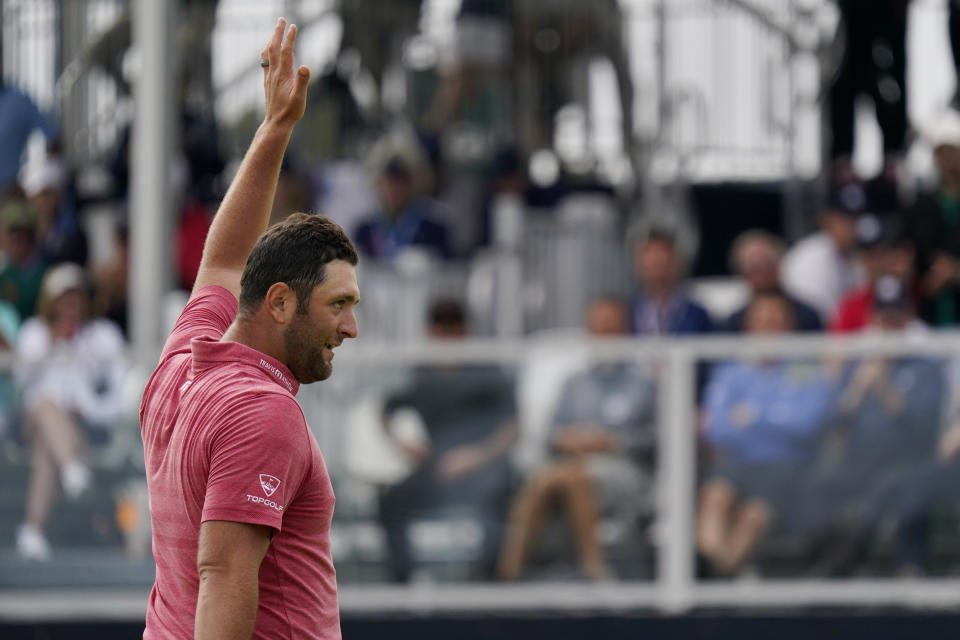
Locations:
{"points": [[676, 468], [151, 216]]}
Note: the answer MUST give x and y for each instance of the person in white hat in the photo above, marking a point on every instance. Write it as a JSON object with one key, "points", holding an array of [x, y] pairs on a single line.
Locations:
{"points": [[70, 370]]}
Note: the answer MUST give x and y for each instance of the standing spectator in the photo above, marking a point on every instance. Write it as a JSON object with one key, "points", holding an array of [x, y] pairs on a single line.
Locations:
{"points": [[763, 421], [662, 307], [22, 274], [935, 228], [70, 370], [884, 251], [821, 268], [602, 433], [470, 416], [59, 234], [404, 219], [19, 118], [874, 64], [756, 257]]}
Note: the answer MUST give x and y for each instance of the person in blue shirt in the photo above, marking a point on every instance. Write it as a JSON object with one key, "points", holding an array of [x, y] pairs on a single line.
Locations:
{"points": [[662, 307], [404, 219], [763, 421], [19, 118]]}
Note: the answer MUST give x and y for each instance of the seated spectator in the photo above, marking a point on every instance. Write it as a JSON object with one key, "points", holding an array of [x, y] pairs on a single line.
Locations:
{"points": [[469, 413], [934, 223], [889, 421], [404, 219], [24, 266], [70, 371], [662, 307], [822, 268], [756, 257], [59, 234], [763, 421], [884, 251], [602, 428]]}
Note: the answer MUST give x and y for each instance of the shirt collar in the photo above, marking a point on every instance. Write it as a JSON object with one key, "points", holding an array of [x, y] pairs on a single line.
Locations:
{"points": [[209, 353]]}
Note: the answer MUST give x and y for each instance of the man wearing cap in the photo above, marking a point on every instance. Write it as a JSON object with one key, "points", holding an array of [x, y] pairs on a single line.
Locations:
{"points": [[884, 251], [822, 267], [22, 274], [889, 418], [403, 220], [935, 228]]}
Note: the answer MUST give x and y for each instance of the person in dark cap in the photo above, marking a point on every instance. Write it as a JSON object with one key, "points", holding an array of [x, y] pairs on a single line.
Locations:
{"points": [[888, 418], [884, 250], [822, 267], [404, 219]]}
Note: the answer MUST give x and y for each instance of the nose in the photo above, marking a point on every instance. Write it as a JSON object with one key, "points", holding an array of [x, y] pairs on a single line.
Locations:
{"points": [[348, 328]]}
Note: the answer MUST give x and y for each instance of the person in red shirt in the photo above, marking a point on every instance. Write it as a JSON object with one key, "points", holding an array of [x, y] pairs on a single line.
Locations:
{"points": [[240, 499], [884, 251]]}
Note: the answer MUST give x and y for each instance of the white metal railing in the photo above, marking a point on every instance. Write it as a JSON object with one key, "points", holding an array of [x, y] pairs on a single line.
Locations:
{"points": [[675, 587]]}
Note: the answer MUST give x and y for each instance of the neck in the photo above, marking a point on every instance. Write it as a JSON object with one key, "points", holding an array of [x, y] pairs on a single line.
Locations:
{"points": [[252, 334]]}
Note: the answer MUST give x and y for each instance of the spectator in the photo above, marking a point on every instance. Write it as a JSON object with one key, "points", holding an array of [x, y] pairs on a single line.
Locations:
{"points": [[19, 118], [469, 414], [874, 64], [935, 228], [70, 370], [889, 417], [22, 274], [602, 433], [763, 421], [403, 220], [59, 235], [822, 268], [884, 251], [756, 257], [111, 280], [662, 307]]}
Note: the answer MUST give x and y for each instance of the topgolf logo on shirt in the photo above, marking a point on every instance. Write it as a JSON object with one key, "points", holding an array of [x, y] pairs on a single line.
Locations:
{"points": [[269, 483]]}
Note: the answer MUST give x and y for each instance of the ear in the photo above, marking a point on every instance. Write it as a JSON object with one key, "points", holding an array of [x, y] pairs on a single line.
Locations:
{"points": [[280, 302]]}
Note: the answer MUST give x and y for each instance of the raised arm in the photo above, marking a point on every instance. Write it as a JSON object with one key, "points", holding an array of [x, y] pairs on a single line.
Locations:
{"points": [[245, 210]]}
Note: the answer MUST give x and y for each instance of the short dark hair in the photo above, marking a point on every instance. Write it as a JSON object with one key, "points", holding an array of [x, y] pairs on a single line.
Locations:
{"points": [[294, 251], [447, 312]]}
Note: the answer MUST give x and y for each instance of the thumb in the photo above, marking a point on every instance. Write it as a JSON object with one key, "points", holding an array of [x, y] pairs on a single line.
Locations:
{"points": [[303, 79]]}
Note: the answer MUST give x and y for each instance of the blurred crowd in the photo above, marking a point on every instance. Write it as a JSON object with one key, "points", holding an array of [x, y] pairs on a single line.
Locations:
{"points": [[828, 450]]}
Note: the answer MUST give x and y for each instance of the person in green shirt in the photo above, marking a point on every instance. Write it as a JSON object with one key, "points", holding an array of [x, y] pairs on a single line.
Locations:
{"points": [[24, 266]]}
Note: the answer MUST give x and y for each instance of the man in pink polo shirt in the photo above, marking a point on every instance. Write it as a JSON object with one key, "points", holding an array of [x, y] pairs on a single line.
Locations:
{"points": [[240, 500]]}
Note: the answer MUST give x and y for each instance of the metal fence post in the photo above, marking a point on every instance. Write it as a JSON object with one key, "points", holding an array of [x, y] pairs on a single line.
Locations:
{"points": [[676, 469]]}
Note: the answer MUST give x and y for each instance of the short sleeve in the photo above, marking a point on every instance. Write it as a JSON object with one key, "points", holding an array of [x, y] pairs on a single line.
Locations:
{"points": [[207, 315], [258, 462]]}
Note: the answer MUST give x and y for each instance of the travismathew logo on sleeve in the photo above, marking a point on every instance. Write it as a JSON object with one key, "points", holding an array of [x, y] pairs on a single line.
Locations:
{"points": [[269, 484]]}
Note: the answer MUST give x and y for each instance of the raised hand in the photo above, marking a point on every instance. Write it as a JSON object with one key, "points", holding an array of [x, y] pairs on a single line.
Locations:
{"points": [[285, 89]]}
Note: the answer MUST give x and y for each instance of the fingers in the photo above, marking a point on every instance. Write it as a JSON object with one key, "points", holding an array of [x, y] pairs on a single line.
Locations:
{"points": [[286, 51], [272, 51]]}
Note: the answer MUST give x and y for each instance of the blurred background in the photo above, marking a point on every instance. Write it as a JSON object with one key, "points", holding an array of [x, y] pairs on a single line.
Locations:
{"points": [[661, 297]]}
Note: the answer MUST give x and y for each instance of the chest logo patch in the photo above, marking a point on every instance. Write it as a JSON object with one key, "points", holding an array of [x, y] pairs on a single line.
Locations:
{"points": [[269, 484]]}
